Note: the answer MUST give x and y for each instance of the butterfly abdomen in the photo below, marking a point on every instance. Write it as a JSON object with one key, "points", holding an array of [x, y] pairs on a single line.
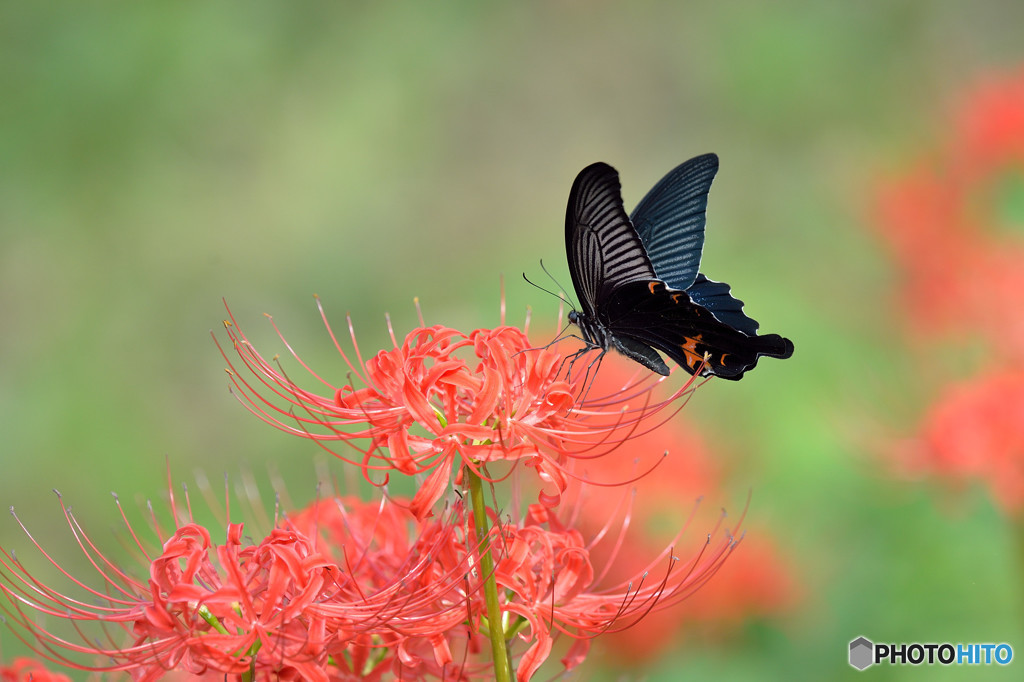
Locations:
{"points": [[597, 335]]}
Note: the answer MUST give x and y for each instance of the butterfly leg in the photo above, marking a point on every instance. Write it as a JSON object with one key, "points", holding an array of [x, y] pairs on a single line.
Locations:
{"points": [[590, 374]]}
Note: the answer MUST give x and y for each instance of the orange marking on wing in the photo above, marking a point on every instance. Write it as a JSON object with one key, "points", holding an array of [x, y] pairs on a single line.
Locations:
{"points": [[652, 285], [693, 358]]}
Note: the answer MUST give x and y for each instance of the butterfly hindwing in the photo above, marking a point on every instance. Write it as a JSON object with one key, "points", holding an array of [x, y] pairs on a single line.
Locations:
{"points": [[655, 315], [716, 297], [670, 220]]}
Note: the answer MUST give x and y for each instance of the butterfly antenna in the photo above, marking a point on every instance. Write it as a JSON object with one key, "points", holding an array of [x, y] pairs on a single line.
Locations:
{"points": [[548, 291], [557, 283]]}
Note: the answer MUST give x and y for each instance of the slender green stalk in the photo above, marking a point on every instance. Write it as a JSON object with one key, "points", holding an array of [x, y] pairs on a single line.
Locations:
{"points": [[1018, 531], [499, 650], [207, 615]]}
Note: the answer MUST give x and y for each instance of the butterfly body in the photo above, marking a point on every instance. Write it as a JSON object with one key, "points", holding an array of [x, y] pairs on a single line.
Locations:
{"points": [[638, 281], [598, 335]]}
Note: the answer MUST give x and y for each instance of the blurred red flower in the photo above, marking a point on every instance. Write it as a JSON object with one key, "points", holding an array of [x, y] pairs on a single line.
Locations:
{"points": [[989, 136], [944, 226], [29, 670], [949, 226], [975, 430]]}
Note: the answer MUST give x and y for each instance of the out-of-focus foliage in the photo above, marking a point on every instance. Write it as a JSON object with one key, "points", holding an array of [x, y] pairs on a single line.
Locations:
{"points": [[157, 157]]}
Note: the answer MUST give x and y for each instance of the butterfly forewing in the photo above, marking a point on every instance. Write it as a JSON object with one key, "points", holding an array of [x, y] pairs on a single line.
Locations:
{"points": [[670, 220], [603, 249]]}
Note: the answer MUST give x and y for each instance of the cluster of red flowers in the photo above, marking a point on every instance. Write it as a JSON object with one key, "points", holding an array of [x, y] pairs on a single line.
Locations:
{"points": [[341, 590], [425, 404], [956, 228], [393, 589]]}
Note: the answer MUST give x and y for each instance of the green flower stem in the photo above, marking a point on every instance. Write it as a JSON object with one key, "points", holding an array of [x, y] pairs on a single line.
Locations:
{"points": [[214, 622], [499, 650], [1017, 523]]}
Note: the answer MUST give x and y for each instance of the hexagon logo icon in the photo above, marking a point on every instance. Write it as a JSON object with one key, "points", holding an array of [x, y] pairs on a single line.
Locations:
{"points": [[861, 653]]}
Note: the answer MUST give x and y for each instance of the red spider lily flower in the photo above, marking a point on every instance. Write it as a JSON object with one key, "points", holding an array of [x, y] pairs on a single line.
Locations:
{"points": [[341, 590], [367, 603], [547, 580], [976, 431], [755, 582], [443, 397], [552, 586], [29, 670]]}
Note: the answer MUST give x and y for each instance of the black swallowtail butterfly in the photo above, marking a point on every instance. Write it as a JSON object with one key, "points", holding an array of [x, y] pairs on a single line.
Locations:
{"points": [[638, 281]]}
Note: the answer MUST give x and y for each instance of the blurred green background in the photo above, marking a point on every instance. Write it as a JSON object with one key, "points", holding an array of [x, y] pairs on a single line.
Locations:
{"points": [[158, 157]]}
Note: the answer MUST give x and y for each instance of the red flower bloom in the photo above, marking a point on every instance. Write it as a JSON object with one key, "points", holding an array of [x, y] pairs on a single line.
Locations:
{"points": [[976, 431], [342, 590], [755, 581], [367, 601], [29, 670], [552, 586], [443, 397]]}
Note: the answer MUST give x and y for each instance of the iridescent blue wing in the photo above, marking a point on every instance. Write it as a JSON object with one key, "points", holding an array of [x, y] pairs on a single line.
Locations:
{"points": [[603, 249], [716, 298], [670, 220]]}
